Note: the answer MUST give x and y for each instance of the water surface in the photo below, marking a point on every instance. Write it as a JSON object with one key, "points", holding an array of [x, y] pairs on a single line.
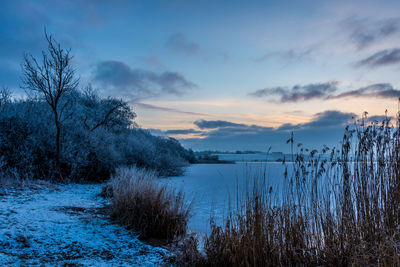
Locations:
{"points": [[214, 187]]}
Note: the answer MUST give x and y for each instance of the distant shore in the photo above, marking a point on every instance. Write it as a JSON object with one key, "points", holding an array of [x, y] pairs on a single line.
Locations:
{"points": [[211, 161]]}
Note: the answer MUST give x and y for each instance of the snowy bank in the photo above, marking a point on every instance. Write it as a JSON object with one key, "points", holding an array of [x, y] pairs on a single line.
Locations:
{"points": [[66, 224]]}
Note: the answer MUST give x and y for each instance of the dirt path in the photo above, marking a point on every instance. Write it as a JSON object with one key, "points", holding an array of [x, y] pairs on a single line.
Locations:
{"points": [[65, 225]]}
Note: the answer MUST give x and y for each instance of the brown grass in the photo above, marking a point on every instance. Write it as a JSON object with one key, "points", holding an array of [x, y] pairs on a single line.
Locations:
{"points": [[339, 208], [143, 204]]}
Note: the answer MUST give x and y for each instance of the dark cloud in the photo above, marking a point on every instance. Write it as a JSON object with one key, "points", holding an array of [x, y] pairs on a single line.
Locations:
{"points": [[298, 92], [326, 91], [153, 107], [204, 124], [381, 58], [379, 90], [135, 83], [184, 131], [364, 32], [178, 43], [328, 119], [241, 129], [324, 128]]}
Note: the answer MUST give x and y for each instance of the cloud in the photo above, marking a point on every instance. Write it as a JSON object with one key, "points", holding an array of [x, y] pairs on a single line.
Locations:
{"points": [[364, 32], [183, 131], [204, 124], [324, 128], [328, 119], [153, 107], [291, 55], [298, 92], [153, 61], [326, 91], [379, 90], [381, 58], [177, 42], [119, 78]]}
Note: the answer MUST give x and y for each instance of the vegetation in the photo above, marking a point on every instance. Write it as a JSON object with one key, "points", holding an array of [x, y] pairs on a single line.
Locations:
{"points": [[61, 131], [141, 203], [337, 208], [210, 159]]}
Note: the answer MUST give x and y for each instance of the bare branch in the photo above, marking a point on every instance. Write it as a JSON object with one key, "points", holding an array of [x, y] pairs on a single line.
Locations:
{"points": [[52, 78]]}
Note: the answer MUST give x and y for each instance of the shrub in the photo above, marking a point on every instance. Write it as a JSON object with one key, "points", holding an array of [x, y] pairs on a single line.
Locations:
{"points": [[143, 204], [97, 136]]}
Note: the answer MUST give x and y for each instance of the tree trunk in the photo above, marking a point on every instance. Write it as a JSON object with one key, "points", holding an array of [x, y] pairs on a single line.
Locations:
{"points": [[58, 143]]}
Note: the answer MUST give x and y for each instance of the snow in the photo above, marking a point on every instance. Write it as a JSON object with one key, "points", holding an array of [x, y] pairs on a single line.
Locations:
{"points": [[66, 224]]}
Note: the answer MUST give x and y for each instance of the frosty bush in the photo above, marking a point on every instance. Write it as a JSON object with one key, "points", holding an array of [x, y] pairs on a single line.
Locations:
{"points": [[98, 135]]}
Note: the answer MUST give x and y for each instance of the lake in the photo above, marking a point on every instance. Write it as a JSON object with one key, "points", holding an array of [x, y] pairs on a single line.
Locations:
{"points": [[213, 187]]}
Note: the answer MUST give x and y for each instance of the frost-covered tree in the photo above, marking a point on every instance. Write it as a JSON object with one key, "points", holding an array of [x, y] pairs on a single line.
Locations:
{"points": [[105, 112], [5, 97]]}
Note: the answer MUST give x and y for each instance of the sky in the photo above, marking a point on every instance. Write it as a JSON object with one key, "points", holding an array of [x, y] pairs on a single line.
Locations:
{"points": [[223, 75]]}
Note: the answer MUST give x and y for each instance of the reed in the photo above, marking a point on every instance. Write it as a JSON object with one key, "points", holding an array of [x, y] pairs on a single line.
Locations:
{"points": [[338, 207]]}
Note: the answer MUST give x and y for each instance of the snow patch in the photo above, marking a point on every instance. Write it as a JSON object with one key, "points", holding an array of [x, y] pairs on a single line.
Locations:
{"points": [[67, 225]]}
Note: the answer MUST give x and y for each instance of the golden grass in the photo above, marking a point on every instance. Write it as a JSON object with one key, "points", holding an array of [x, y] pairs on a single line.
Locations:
{"points": [[143, 204]]}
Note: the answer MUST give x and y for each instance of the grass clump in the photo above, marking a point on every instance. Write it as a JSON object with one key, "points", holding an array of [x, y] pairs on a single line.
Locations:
{"points": [[143, 204]]}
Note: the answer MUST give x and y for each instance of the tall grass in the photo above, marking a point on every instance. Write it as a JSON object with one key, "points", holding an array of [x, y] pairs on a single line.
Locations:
{"points": [[143, 204], [338, 207]]}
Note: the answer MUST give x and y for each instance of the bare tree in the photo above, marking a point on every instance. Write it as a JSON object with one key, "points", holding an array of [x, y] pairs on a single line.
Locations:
{"points": [[52, 78]]}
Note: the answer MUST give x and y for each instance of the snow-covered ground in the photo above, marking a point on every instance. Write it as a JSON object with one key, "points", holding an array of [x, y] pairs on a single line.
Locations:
{"points": [[63, 225]]}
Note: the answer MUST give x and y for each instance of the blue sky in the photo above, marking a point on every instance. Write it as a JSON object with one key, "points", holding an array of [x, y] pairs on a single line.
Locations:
{"points": [[225, 75]]}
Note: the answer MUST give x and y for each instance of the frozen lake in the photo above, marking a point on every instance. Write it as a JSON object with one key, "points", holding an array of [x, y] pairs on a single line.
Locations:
{"points": [[213, 186]]}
